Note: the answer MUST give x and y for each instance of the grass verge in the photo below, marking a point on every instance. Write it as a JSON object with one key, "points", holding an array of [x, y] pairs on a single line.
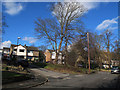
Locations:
{"points": [[9, 77], [64, 69]]}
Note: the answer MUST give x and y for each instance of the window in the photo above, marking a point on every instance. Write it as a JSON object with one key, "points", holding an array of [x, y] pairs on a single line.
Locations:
{"points": [[29, 51], [21, 50], [15, 49]]}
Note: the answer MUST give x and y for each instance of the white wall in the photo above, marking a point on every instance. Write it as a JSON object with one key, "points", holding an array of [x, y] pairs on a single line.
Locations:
{"points": [[53, 55], [0, 51], [60, 56], [19, 53], [6, 52], [30, 53]]}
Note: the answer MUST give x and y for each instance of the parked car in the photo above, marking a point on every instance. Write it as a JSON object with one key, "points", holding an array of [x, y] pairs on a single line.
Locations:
{"points": [[115, 69]]}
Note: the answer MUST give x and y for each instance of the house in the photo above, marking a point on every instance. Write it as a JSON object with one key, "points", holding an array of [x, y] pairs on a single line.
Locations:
{"points": [[48, 54], [1, 50], [51, 55], [24, 52], [32, 53], [6, 53], [17, 51], [105, 64], [112, 63], [115, 62]]}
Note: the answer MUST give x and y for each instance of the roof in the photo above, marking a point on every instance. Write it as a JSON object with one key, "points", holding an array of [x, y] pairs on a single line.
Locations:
{"points": [[6, 48], [32, 48], [52, 51], [14, 45], [28, 47], [115, 60]]}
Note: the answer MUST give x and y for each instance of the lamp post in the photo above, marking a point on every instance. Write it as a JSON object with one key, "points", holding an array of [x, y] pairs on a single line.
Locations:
{"points": [[17, 45], [88, 51], [18, 40]]}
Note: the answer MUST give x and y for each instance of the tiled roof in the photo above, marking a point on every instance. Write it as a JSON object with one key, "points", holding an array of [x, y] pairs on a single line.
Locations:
{"points": [[28, 47], [52, 51], [6, 48], [32, 48], [14, 45]]}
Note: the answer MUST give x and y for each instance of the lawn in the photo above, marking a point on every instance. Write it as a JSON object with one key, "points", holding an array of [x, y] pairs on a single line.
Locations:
{"points": [[8, 74], [10, 77], [11, 74]]}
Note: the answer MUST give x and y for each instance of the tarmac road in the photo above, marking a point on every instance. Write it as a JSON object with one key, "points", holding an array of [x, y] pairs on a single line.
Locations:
{"points": [[61, 80]]}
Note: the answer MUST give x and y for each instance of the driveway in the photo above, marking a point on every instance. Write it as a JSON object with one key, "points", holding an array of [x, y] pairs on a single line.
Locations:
{"points": [[62, 80]]}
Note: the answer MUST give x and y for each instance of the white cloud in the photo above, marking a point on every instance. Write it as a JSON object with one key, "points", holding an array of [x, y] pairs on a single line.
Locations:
{"points": [[108, 24], [5, 44], [90, 5], [29, 39], [13, 8], [86, 6]]}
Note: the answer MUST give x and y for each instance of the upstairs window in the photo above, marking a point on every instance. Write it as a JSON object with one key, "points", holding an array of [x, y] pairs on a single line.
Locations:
{"points": [[30, 51], [15, 49], [21, 50]]}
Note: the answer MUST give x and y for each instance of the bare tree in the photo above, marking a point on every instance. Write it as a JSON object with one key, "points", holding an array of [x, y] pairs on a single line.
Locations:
{"points": [[116, 52], [68, 15], [42, 47], [64, 27], [108, 34], [99, 49], [78, 50]]}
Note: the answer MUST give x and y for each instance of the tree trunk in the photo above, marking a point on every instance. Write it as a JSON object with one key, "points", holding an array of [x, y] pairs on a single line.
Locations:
{"points": [[56, 58], [66, 52]]}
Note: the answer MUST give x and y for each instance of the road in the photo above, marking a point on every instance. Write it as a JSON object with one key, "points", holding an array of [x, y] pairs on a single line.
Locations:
{"points": [[62, 80]]}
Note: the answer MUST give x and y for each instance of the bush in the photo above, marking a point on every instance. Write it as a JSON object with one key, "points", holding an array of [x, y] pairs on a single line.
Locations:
{"points": [[6, 68], [42, 65]]}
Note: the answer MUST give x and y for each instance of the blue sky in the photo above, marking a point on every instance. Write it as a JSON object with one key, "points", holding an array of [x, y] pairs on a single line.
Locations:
{"points": [[20, 18]]}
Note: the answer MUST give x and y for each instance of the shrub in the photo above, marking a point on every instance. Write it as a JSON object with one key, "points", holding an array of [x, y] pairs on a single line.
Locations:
{"points": [[6, 68]]}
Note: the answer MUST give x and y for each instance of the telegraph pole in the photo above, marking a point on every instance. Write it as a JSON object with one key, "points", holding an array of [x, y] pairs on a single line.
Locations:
{"points": [[88, 52]]}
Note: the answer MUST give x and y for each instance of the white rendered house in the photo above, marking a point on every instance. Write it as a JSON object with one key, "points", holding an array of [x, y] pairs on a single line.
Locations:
{"points": [[24, 52]]}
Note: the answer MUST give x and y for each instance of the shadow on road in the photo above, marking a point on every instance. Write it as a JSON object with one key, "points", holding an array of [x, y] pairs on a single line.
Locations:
{"points": [[42, 65], [113, 84]]}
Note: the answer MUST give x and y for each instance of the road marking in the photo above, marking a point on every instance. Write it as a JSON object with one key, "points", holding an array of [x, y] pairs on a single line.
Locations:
{"points": [[78, 75], [21, 84], [104, 78], [66, 78]]}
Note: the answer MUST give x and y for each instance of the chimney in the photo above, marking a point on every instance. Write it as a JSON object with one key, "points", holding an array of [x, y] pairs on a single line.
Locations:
{"points": [[25, 45]]}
